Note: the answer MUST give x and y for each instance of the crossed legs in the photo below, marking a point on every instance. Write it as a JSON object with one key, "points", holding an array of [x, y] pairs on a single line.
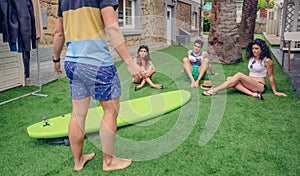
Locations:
{"points": [[145, 80], [242, 83]]}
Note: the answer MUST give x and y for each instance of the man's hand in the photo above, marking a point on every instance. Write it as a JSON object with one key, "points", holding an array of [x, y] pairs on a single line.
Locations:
{"points": [[192, 59], [134, 70], [57, 67]]}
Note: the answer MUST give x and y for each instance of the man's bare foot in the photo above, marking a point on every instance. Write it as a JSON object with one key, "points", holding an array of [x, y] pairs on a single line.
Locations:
{"points": [[193, 84], [85, 158], [196, 84], [116, 164]]}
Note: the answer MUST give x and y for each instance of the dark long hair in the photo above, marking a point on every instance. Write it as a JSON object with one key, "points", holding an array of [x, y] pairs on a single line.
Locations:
{"points": [[265, 50], [147, 58]]}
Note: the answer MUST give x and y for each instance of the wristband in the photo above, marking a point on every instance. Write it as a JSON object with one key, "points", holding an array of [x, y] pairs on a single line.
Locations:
{"points": [[56, 60]]}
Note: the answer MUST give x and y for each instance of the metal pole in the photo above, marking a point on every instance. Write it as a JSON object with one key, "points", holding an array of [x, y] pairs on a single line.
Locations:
{"points": [[40, 85], [38, 72]]}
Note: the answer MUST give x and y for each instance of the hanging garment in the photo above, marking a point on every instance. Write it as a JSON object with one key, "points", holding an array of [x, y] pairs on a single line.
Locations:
{"points": [[3, 20], [26, 62], [18, 28], [21, 22]]}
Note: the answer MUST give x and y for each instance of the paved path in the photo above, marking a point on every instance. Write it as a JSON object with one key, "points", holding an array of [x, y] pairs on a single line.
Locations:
{"points": [[294, 74], [272, 39]]}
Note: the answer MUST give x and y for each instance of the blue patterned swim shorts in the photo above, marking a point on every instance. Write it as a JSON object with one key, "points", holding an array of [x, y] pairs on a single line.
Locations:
{"points": [[102, 83]]}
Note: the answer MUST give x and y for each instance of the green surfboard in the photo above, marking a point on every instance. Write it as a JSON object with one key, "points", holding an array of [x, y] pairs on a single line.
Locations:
{"points": [[131, 112]]}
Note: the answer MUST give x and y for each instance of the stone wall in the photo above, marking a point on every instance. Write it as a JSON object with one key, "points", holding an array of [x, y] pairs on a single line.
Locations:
{"points": [[51, 7], [152, 21], [183, 16]]}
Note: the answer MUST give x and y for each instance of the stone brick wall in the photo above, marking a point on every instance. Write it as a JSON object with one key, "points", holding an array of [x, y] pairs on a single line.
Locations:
{"points": [[152, 21], [51, 7], [183, 15]]}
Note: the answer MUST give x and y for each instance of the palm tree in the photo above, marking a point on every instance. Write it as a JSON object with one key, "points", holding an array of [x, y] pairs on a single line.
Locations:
{"points": [[224, 44], [247, 25]]}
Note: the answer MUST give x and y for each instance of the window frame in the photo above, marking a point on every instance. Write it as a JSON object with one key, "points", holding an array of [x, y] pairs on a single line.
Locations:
{"points": [[194, 20], [125, 17]]}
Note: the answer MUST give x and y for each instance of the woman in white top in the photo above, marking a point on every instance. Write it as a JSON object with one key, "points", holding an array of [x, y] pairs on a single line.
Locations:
{"points": [[260, 65], [144, 61]]}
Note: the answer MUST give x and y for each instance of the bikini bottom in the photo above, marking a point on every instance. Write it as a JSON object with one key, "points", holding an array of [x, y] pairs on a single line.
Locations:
{"points": [[265, 86]]}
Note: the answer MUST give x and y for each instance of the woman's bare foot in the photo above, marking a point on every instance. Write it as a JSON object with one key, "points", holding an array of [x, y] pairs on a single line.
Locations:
{"points": [[258, 95], [138, 87], [84, 159], [116, 164], [158, 86]]}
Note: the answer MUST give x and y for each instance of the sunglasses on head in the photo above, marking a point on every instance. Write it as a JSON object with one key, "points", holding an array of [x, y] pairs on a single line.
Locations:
{"points": [[144, 46]]}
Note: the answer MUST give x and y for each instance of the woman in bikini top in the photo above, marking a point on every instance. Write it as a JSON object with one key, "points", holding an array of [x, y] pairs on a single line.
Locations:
{"points": [[260, 66]]}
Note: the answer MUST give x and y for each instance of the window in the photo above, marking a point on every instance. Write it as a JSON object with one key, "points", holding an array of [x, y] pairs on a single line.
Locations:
{"points": [[194, 20], [126, 13]]}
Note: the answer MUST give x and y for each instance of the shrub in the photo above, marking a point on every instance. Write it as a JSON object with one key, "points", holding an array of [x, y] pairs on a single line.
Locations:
{"points": [[269, 4], [206, 24]]}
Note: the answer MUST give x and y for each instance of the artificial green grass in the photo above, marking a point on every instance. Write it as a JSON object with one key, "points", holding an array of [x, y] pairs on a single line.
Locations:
{"points": [[227, 134]]}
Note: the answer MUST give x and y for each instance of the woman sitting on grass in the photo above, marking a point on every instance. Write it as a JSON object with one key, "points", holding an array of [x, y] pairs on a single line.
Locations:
{"points": [[144, 61], [260, 65]]}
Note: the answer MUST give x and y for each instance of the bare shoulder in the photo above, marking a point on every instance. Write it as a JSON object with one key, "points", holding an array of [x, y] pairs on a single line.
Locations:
{"points": [[189, 52], [150, 61], [268, 62]]}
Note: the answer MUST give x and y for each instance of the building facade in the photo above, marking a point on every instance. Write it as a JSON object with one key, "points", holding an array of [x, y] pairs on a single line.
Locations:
{"points": [[143, 21]]}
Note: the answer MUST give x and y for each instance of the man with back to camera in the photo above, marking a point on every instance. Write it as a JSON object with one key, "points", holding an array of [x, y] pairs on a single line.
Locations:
{"points": [[84, 26]]}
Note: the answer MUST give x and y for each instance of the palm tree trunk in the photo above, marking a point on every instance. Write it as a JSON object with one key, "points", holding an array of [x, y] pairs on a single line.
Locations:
{"points": [[247, 25], [224, 45]]}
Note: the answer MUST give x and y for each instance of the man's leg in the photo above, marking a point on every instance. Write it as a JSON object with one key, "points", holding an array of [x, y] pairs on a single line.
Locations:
{"points": [[107, 132], [188, 69], [76, 132], [202, 69]]}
